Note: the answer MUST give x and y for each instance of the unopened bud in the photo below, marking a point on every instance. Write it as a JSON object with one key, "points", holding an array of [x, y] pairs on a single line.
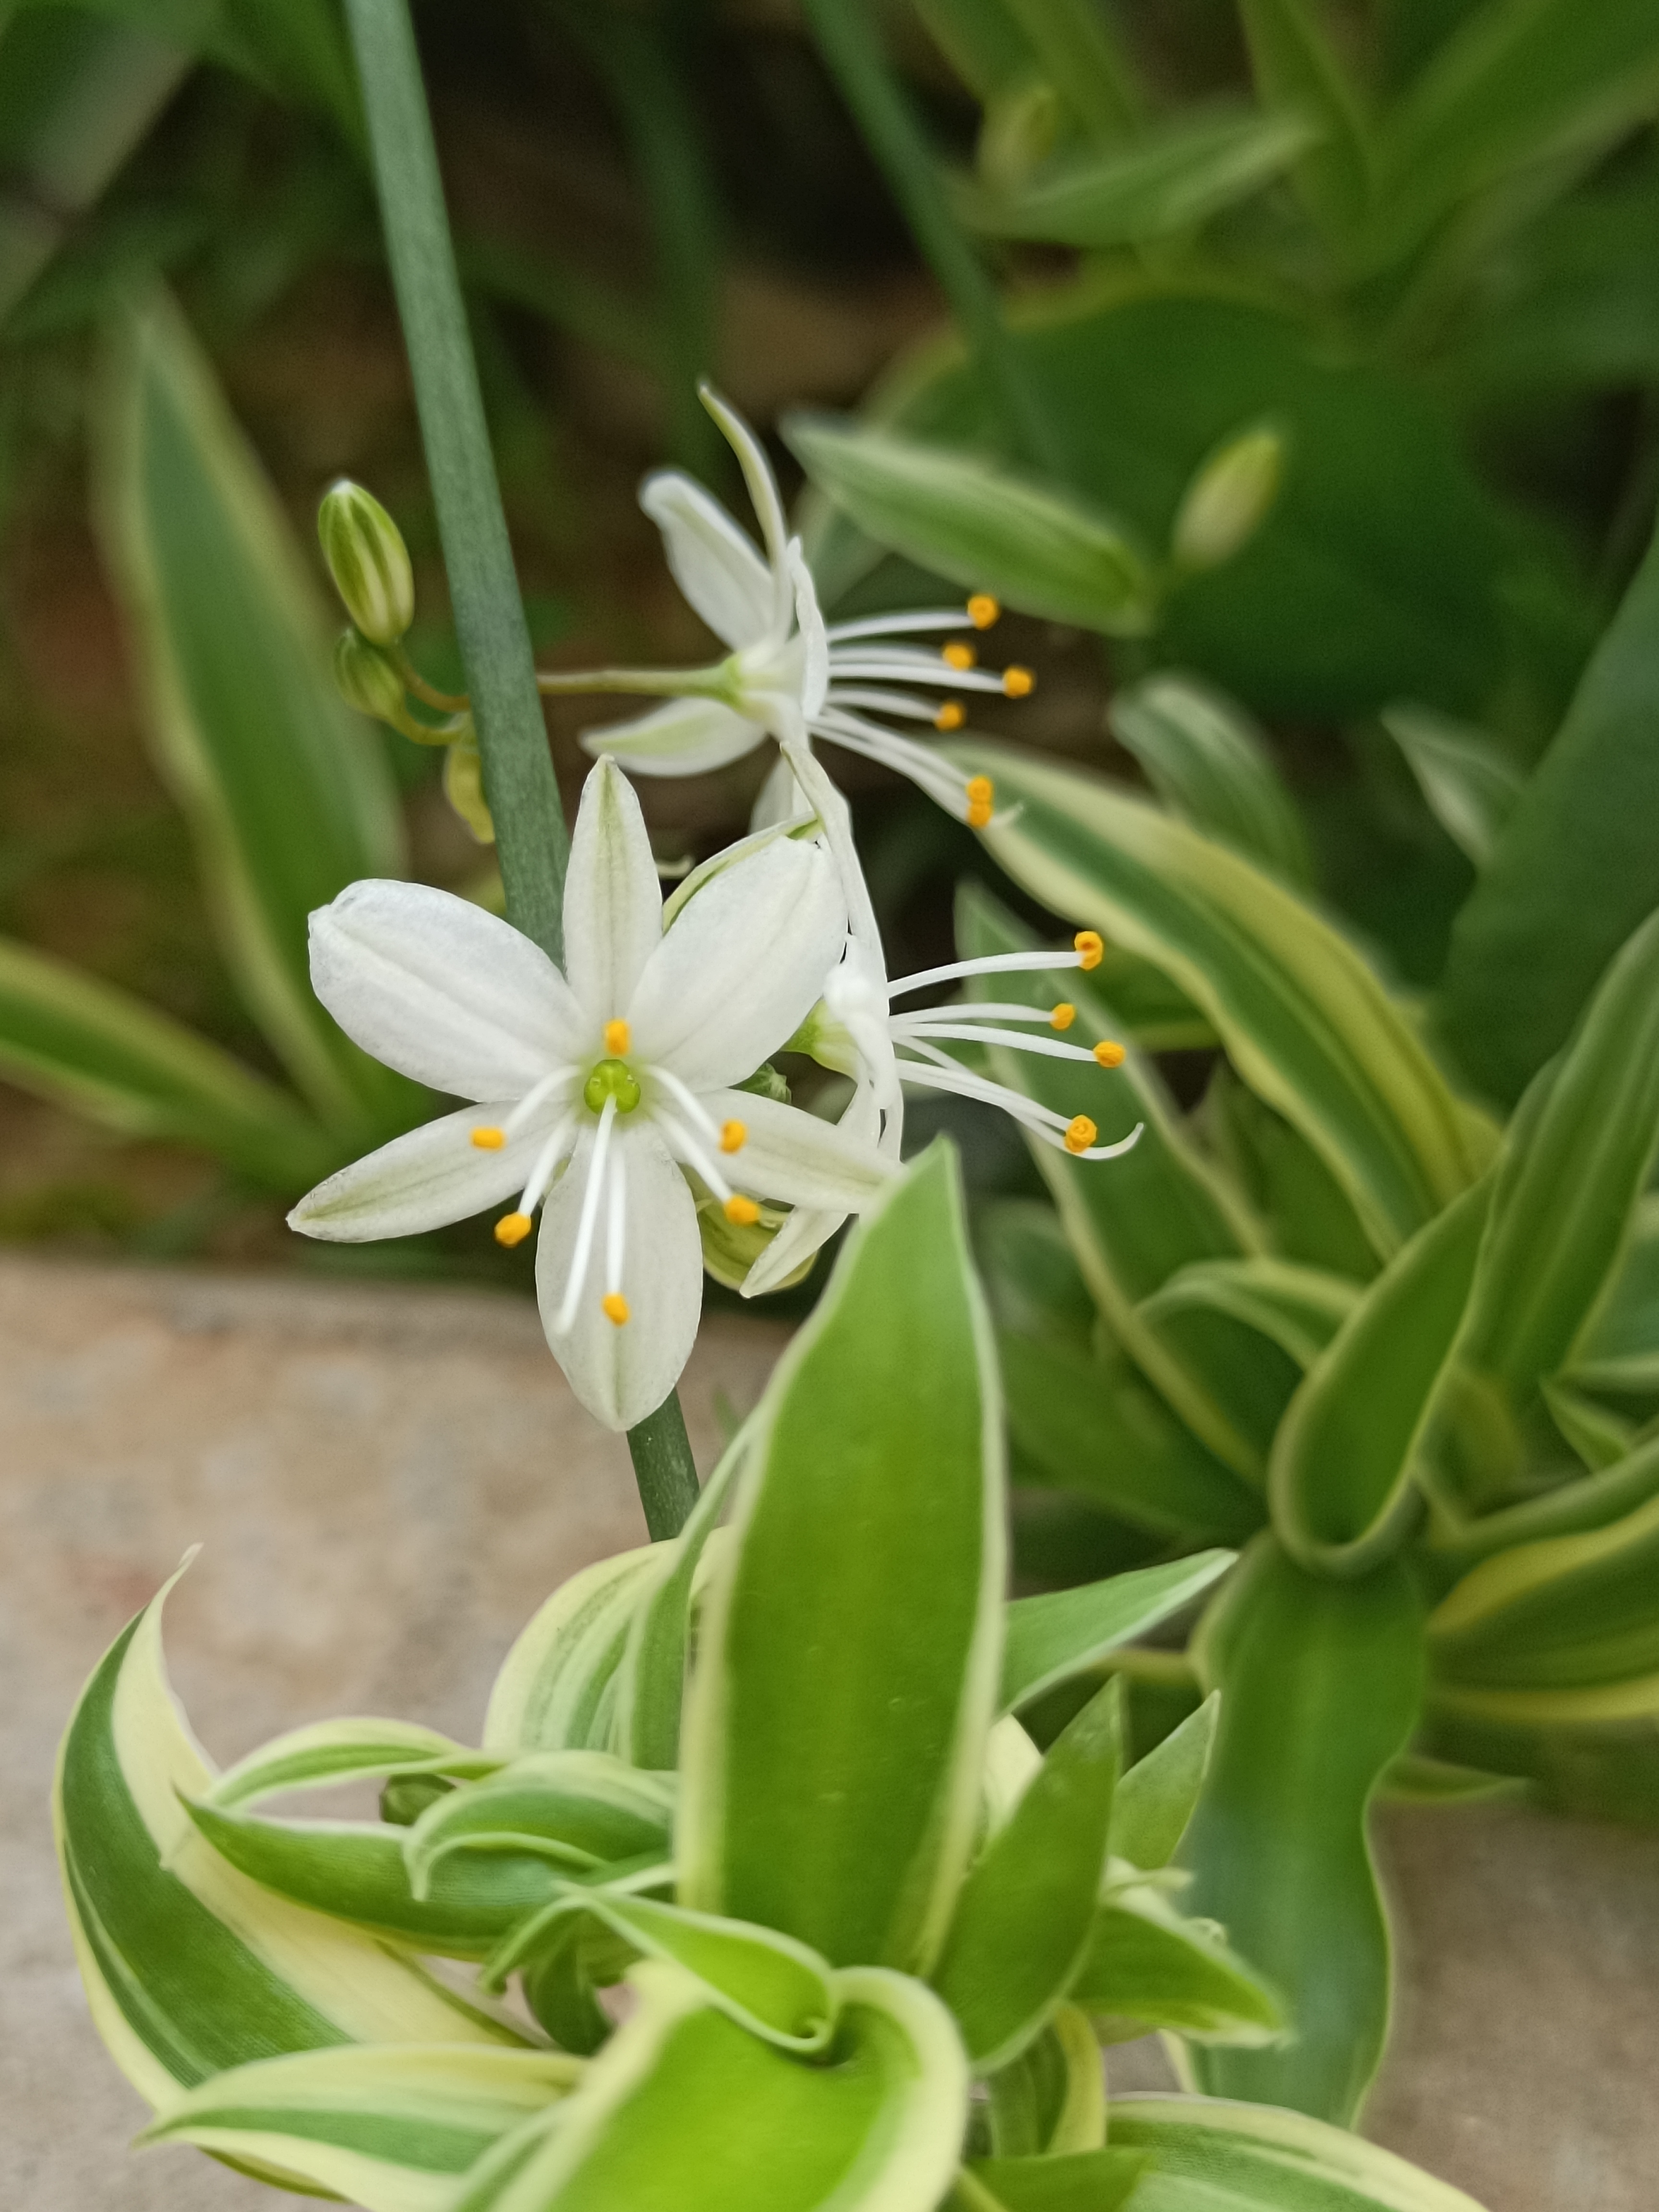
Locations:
{"points": [[463, 789], [1021, 129], [1228, 498], [368, 561], [731, 1245], [368, 679]]}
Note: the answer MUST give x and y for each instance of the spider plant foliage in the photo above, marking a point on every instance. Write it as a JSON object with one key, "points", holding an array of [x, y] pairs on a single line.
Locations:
{"points": [[797, 1913]]}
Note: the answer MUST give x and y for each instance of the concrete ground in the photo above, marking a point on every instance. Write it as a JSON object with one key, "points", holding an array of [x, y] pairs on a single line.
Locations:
{"points": [[385, 1483]]}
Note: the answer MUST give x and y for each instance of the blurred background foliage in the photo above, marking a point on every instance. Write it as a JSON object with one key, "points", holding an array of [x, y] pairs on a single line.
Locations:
{"points": [[1419, 237]]}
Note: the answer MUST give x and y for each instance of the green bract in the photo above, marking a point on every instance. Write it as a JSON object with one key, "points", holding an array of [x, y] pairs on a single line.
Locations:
{"points": [[766, 1960]]}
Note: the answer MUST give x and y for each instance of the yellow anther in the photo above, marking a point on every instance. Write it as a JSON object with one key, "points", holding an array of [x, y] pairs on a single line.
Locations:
{"points": [[980, 793], [1090, 947], [1063, 1016], [734, 1135], [950, 716], [1110, 1052], [741, 1213], [512, 1228], [957, 655], [490, 1140], [614, 1306], [1018, 683], [982, 610], [617, 1038], [1080, 1134], [978, 816]]}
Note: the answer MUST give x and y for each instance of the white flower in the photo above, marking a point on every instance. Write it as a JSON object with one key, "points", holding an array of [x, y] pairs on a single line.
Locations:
{"points": [[597, 1086], [788, 676]]}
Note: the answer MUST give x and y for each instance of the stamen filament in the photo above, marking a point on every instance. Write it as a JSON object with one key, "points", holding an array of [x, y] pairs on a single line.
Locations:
{"points": [[930, 618], [690, 1103], [694, 1156], [535, 1096], [616, 1237], [965, 1033], [546, 1161], [582, 1250], [994, 963]]}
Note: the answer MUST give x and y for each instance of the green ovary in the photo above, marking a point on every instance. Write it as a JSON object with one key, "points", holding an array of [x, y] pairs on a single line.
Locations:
{"points": [[612, 1079]]}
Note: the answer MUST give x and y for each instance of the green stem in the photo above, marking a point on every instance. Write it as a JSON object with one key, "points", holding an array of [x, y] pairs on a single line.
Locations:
{"points": [[895, 136], [664, 1469], [519, 785]]}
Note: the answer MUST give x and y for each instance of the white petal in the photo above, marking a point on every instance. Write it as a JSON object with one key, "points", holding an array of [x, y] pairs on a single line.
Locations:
{"points": [[809, 1228], [622, 1373], [791, 1155], [434, 1175], [815, 645], [742, 966], [763, 491], [612, 896], [688, 736], [440, 990], [780, 798], [713, 561]]}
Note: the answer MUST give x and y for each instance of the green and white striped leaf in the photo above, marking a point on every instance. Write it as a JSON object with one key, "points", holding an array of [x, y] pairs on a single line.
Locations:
{"points": [[1051, 1637], [1051, 2101], [287, 796], [556, 1688], [85, 1044], [1081, 2181], [1470, 784], [877, 2129], [1297, 1309], [831, 1769], [1571, 1509], [578, 1809], [190, 1966], [1158, 1795], [328, 1752], [1320, 1682], [1146, 1967], [1207, 2156], [1025, 1910], [393, 2129], [1209, 763], [1341, 1484], [1303, 1019], [1620, 1350]]}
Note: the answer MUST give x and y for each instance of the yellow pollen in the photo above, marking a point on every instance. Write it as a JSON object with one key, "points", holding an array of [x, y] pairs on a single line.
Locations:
{"points": [[734, 1135], [617, 1038], [1080, 1134], [982, 610], [981, 791], [490, 1140], [978, 816], [949, 717], [512, 1228], [614, 1306], [957, 655], [1090, 947], [741, 1213], [1110, 1052], [1063, 1016], [1018, 683]]}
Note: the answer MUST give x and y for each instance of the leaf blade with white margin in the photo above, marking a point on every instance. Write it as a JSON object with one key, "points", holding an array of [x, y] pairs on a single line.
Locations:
{"points": [[878, 2129], [550, 1694], [1213, 2155], [1060, 1632]]}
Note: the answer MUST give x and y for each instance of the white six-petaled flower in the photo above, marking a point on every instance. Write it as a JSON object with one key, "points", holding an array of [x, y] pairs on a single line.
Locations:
{"points": [[596, 1087]]}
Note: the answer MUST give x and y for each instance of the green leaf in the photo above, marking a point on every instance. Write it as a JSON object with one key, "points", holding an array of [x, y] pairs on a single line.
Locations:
{"points": [[1061, 1633], [1209, 763], [1297, 1309], [1341, 1484], [1174, 178], [1024, 1912], [556, 1688], [1579, 1153], [1320, 1684], [343, 1751], [289, 798], [1052, 2100], [1085, 2181], [1146, 1967], [1078, 51], [577, 1808], [1296, 69], [1415, 1779], [1210, 2157], [1303, 1019], [876, 2128], [850, 1641], [1035, 1287], [1620, 1350], [1470, 784], [1313, 1221], [1574, 870], [1157, 1798], [86, 1045], [972, 520], [190, 1967], [393, 2129], [1088, 1425]]}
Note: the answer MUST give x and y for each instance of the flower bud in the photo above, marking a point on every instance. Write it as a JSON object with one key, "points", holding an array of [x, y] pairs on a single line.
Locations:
{"points": [[1021, 129], [368, 561], [1229, 494], [730, 1249], [368, 680]]}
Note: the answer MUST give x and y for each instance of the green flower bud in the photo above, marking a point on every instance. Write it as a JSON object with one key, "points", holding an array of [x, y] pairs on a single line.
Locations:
{"points": [[463, 789], [1224, 504], [730, 1249], [1021, 129], [368, 680], [368, 561]]}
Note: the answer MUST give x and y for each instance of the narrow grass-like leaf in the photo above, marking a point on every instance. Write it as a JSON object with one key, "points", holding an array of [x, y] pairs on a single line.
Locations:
{"points": [[1470, 785], [1297, 71], [1084, 2181], [287, 796], [1620, 1350], [1052, 2099], [1340, 1482], [1297, 1309], [1320, 1684], [556, 1690], [1243, 2158], [1209, 763], [1051, 1637], [1147, 1967], [1572, 1508], [1157, 1798], [1025, 1910], [584, 1809], [850, 1641], [343, 1751], [1303, 1020]]}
